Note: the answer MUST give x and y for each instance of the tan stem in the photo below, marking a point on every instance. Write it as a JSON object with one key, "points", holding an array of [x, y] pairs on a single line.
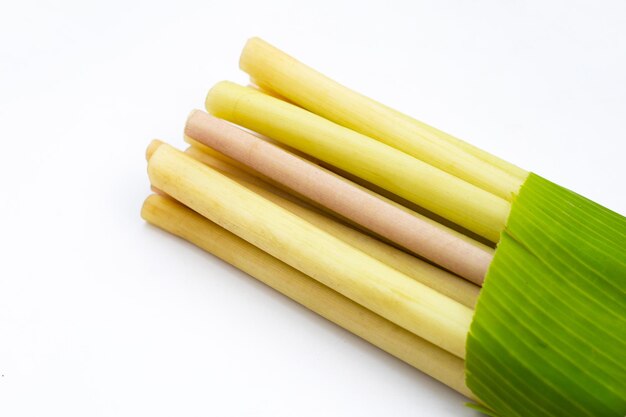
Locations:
{"points": [[378, 192], [418, 234], [448, 284]]}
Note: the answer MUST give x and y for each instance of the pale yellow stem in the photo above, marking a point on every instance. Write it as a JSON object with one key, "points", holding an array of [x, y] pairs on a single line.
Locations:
{"points": [[274, 94], [177, 219], [448, 284], [387, 167], [276, 71], [333, 262]]}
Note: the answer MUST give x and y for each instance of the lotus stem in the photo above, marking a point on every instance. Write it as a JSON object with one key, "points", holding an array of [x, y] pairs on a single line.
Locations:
{"points": [[438, 191], [275, 71], [356, 275], [444, 282], [418, 234], [179, 220]]}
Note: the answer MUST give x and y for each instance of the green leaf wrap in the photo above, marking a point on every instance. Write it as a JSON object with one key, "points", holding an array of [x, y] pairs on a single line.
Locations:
{"points": [[549, 333]]}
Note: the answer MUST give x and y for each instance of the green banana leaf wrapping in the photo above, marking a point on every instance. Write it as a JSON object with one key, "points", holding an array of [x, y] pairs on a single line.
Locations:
{"points": [[549, 333]]}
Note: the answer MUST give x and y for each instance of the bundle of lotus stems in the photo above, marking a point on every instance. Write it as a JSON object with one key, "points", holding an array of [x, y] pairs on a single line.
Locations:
{"points": [[497, 282]]}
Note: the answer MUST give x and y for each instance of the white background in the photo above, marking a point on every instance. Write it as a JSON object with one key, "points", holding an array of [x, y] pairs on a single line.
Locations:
{"points": [[102, 315]]}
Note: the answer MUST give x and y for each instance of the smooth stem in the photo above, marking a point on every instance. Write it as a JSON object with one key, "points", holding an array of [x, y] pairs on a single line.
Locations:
{"points": [[390, 198], [414, 232], [448, 284], [177, 219], [274, 70], [380, 164], [333, 262]]}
